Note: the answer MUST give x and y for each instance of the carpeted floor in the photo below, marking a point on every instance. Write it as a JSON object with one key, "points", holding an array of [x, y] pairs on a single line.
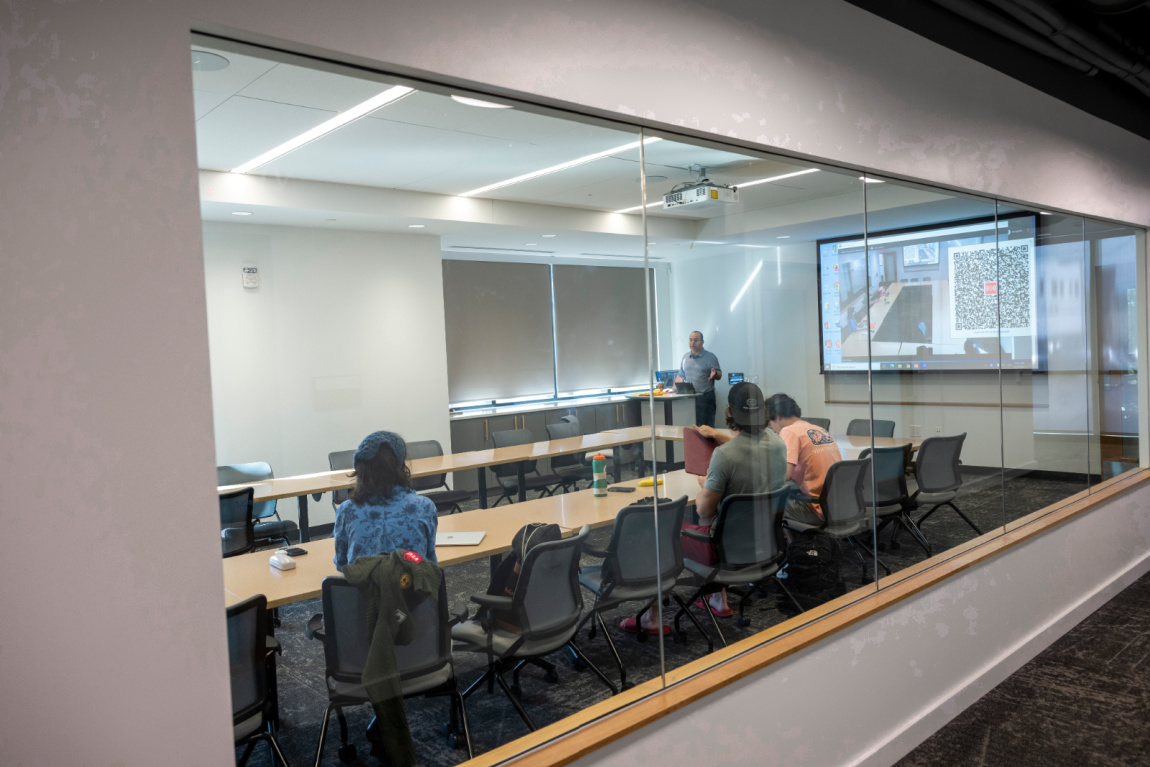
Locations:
{"points": [[1085, 700], [492, 719]]}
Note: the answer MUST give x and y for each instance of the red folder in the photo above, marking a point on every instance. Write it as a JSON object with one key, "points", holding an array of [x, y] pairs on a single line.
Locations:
{"points": [[697, 451]]}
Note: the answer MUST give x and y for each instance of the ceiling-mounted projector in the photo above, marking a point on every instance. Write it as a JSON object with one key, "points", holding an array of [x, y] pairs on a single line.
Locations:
{"points": [[702, 191]]}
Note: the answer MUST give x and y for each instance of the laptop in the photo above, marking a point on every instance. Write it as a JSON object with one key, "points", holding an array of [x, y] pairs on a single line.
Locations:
{"points": [[459, 539], [684, 387]]}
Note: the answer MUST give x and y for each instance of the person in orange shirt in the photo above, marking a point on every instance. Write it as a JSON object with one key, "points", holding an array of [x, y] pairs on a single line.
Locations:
{"points": [[810, 453]]}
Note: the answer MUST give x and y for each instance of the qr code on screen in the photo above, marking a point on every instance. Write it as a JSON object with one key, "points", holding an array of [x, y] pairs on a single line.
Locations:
{"points": [[991, 289]]}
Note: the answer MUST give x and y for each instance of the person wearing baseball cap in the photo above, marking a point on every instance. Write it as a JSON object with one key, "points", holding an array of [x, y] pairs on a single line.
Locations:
{"points": [[382, 512]]}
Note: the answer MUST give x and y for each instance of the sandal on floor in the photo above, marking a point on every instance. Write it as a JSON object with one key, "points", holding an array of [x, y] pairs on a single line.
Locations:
{"points": [[631, 626], [703, 605]]}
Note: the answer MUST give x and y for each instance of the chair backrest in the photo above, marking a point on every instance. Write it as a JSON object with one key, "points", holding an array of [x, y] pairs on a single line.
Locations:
{"points": [[510, 438], [861, 427], [822, 423], [237, 532], [563, 430], [348, 637], [341, 459], [745, 530], [427, 448], [572, 419], [640, 531], [842, 498], [243, 473], [247, 649], [936, 466], [548, 601], [889, 475]]}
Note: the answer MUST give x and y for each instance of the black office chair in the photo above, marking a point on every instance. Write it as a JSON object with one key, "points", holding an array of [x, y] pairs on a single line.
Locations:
{"points": [[845, 515], [424, 665], [266, 529], [253, 704], [237, 529], [446, 499], [861, 427], [822, 423], [341, 460], [508, 473], [628, 454], [641, 564], [571, 468], [890, 496], [937, 474], [546, 607], [745, 536]]}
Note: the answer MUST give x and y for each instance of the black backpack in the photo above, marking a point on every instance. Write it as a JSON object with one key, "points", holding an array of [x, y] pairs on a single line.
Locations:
{"points": [[814, 570], [506, 577]]}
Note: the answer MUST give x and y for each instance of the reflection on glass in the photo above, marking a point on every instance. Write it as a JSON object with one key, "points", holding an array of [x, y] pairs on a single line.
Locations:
{"points": [[1042, 272]]}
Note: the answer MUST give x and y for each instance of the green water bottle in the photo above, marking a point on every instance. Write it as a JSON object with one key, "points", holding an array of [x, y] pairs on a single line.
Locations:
{"points": [[599, 474]]}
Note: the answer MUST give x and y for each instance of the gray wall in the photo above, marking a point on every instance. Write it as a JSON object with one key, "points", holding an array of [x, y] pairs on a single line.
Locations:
{"points": [[105, 395]]}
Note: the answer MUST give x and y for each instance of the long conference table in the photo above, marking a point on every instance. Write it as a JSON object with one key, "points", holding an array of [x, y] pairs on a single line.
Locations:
{"points": [[249, 574]]}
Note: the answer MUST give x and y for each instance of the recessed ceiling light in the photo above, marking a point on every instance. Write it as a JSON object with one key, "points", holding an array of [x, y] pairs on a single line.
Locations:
{"points": [[560, 166], [241, 212], [477, 103], [1045, 213], [530, 244], [416, 226], [389, 96], [202, 61], [548, 235], [709, 242], [784, 237], [654, 179], [871, 180]]}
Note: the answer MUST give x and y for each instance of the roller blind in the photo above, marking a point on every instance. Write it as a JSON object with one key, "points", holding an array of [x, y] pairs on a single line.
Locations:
{"points": [[498, 323], [600, 327]]}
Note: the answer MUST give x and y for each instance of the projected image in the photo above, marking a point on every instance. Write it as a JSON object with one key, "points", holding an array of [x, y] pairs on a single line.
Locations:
{"points": [[951, 296]]}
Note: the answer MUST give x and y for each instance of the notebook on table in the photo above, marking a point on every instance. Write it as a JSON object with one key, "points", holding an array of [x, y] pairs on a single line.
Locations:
{"points": [[459, 539], [697, 451]]}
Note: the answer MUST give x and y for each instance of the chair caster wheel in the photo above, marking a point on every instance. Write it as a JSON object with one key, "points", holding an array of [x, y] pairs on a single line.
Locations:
{"points": [[551, 676], [743, 622], [347, 753], [894, 545], [455, 740], [517, 691], [680, 637], [626, 686], [867, 579], [591, 634], [641, 636], [578, 664]]}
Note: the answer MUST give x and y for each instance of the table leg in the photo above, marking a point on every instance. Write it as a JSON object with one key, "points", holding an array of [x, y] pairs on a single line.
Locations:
{"points": [[617, 456], [483, 487], [519, 475], [304, 535]]}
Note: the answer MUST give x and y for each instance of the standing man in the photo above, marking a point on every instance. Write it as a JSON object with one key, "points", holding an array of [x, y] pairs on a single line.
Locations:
{"points": [[701, 369]]}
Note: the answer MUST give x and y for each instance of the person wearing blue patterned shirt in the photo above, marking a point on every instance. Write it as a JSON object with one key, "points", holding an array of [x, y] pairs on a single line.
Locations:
{"points": [[382, 512]]}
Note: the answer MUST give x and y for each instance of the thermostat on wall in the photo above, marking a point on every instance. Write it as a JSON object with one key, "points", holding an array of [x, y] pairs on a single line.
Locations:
{"points": [[251, 277]]}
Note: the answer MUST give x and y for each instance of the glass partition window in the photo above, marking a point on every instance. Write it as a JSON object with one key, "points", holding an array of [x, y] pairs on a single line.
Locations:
{"points": [[672, 361]]}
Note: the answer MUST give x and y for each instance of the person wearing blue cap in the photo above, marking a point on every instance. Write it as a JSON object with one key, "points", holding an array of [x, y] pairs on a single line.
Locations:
{"points": [[382, 512]]}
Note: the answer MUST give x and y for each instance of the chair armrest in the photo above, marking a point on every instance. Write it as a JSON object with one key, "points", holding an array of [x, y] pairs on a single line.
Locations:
{"points": [[314, 627], [458, 614], [492, 601], [595, 552], [696, 535]]}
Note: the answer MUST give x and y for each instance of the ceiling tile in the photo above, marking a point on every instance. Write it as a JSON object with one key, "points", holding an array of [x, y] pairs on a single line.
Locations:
{"points": [[241, 129], [287, 84]]}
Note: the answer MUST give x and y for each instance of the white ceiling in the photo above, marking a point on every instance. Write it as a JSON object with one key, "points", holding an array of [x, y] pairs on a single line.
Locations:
{"points": [[429, 143]]}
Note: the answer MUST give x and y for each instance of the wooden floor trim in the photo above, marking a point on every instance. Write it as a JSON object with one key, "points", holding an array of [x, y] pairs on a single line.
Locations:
{"points": [[594, 727]]}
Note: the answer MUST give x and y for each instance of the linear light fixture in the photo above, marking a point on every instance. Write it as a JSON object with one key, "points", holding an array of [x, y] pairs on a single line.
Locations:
{"points": [[746, 285], [389, 96], [744, 185], [560, 166]]}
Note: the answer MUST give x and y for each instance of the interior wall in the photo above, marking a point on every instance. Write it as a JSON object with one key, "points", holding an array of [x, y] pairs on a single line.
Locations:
{"points": [[105, 393], [344, 336]]}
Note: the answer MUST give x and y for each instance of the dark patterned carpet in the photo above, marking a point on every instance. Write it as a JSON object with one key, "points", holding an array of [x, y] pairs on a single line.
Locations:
{"points": [[492, 719], [1085, 700]]}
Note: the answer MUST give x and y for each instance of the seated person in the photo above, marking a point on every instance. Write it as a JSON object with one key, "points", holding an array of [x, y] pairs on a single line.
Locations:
{"points": [[753, 461], [382, 512], [810, 453]]}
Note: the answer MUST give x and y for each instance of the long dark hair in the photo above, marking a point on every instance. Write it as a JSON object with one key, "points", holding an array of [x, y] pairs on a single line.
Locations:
{"points": [[378, 478]]}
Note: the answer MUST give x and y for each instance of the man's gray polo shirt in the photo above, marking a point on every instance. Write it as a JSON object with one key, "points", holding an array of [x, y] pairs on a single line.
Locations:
{"points": [[695, 370]]}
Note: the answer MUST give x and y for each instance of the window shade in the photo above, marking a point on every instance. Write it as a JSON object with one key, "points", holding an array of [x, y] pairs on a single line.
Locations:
{"points": [[498, 323], [600, 327]]}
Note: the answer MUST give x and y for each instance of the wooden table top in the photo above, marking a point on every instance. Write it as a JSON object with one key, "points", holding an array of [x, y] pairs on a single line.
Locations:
{"points": [[850, 447], [249, 574], [327, 481]]}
